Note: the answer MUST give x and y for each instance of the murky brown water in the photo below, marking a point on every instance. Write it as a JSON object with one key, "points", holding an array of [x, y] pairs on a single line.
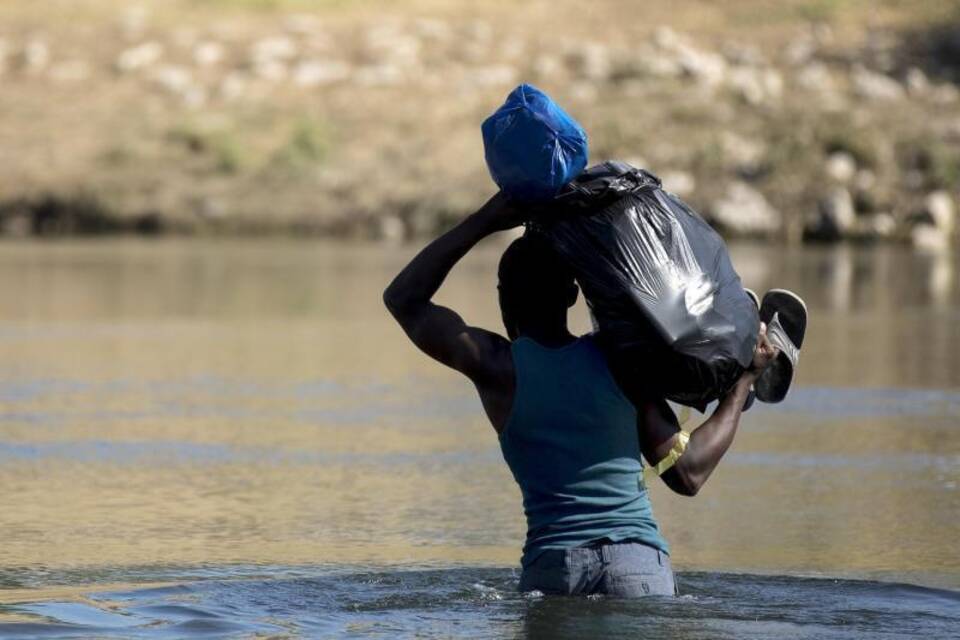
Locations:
{"points": [[218, 404]]}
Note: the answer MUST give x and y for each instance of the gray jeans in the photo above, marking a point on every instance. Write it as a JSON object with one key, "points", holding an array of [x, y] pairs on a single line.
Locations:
{"points": [[619, 569]]}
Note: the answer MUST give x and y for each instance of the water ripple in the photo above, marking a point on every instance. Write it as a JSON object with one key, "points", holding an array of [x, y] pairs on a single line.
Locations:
{"points": [[483, 603]]}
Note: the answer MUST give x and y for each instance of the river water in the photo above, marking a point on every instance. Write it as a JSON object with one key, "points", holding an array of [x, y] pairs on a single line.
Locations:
{"points": [[232, 439]]}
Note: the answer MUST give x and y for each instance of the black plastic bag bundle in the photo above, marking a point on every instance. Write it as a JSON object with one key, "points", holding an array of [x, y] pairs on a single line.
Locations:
{"points": [[671, 311]]}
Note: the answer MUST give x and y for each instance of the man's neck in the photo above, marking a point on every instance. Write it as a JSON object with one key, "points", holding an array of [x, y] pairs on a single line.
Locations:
{"points": [[550, 336]]}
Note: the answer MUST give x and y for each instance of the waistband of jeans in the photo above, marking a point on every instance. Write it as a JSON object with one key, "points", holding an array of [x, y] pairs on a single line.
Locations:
{"points": [[606, 549]]}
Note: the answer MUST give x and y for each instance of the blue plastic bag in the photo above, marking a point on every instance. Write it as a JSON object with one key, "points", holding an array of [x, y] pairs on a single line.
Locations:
{"points": [[532, 146]]}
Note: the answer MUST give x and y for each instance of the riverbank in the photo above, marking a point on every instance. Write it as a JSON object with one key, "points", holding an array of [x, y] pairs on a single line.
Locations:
{"points": [[797, 121]]}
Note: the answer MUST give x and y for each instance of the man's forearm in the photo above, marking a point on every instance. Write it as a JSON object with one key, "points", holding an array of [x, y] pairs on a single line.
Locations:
{"points": [[710, 441], [419, 280]]}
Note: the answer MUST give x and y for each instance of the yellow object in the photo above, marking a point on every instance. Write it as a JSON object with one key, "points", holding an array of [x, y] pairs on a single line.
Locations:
{"points": [[672, 456]]}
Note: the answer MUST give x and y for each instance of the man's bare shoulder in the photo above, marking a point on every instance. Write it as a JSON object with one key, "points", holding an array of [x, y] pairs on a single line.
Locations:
{"points": [[496, 354], [497, 386]]}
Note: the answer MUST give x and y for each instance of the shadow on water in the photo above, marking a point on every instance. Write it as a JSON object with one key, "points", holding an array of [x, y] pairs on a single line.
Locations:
{"points": [[483, 603]]}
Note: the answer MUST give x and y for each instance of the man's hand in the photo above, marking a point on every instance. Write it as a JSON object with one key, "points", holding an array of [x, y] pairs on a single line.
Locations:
{"points": [[763, 355], [500, 213]]}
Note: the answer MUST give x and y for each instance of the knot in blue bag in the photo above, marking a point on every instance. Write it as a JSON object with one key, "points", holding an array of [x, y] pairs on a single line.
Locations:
{"points": [[532, 146]]}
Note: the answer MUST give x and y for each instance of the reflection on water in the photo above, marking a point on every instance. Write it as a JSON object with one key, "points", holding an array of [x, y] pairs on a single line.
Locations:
{"points": [[220, 405], [846, 278]]}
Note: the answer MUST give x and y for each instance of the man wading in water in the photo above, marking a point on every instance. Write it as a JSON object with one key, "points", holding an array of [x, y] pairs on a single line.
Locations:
{"points": [[570, 436]]}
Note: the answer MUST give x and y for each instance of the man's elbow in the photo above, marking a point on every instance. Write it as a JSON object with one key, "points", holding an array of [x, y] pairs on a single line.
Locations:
{"points": [[684, 484], [686, 489], [390, 300], [689, 490], [394, 300]]}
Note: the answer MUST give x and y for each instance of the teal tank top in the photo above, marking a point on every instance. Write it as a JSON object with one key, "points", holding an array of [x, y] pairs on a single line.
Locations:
{"points": [[571, 443]]}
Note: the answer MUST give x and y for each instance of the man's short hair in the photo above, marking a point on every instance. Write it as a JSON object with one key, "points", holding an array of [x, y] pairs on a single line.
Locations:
{"points": [[531, 272]]}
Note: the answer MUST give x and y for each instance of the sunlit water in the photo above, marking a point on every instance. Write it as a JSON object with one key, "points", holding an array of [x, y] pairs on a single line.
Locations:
{"points": [[232, 439]]}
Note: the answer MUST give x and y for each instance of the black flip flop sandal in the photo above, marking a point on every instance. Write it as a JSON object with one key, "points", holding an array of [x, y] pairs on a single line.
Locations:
{"points": [[785, 315]]}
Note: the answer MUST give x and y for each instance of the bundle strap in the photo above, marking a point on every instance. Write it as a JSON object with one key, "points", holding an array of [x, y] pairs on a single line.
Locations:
{"points": [[679, 447]]}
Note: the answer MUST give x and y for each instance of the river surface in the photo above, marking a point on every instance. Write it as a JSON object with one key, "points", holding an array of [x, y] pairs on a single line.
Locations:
{"points": [[232, 439]]}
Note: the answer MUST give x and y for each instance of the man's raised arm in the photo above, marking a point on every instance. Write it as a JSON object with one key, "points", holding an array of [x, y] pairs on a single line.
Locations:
{"points": [[689, 459], [438, 331]]}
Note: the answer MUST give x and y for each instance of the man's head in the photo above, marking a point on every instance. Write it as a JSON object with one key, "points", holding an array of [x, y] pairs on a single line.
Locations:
{"points": [[536, 286]]}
